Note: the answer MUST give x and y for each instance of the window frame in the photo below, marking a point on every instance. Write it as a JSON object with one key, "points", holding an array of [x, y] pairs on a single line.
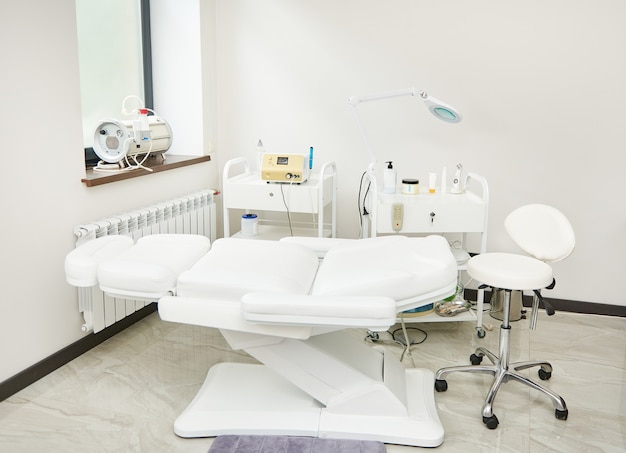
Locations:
{"points": [[91, 159]]}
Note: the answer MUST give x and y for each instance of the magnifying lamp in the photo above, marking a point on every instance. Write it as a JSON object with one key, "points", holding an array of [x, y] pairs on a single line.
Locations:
{"points": [[442, 111]]}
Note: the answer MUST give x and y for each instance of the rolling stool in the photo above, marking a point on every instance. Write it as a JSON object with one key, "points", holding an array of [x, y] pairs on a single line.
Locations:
{"points": [[547, 236]]}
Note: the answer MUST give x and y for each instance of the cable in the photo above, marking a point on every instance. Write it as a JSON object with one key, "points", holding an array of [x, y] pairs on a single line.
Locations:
{"points": [[103, 167], [286, 208], [374, 337], [404, 343], [133, 96], [111, 168], [139, 164], [363, 211]]}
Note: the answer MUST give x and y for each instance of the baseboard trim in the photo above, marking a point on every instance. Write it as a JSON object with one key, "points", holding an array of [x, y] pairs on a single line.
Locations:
{"points": [[46, 366], [571, 306]]}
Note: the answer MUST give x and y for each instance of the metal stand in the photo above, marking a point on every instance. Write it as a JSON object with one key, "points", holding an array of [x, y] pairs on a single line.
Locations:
{"points": [[503, 371]]}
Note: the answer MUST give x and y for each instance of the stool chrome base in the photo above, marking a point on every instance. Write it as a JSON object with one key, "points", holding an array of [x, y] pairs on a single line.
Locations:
{"points": [[503, 371]]}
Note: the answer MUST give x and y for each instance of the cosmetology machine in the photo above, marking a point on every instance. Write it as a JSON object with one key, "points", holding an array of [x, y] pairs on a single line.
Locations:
{"points": [[290, 168], [119, 143]]}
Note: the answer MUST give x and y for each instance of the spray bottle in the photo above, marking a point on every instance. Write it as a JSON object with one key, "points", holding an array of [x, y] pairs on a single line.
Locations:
{"points": [[389, 178], [260, 151]]}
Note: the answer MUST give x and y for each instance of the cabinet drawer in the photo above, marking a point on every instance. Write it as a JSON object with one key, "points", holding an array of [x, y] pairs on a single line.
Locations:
{"points": [[259, 195], [436, 214]]}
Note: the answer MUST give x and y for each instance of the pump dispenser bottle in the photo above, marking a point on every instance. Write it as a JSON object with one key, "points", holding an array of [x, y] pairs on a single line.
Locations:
{"points": [[389, 178]]}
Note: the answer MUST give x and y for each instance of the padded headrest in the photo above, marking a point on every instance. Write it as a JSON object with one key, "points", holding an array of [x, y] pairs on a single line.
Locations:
{"points": [[153, 264], [81, 264]]}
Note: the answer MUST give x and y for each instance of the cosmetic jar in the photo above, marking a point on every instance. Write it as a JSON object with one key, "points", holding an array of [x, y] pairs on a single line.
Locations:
{"points": [[249, 225], [410, 186]]}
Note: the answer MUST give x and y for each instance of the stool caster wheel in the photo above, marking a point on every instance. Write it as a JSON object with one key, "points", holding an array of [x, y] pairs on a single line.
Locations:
{"points": [[441, 385], [544, 375], [476, 359], [480, 332], [491, 422], [561, 415]]}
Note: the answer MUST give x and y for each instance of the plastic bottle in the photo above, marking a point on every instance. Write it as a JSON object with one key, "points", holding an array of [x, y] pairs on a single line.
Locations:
{"points": [[260, 151], [389, 178]]}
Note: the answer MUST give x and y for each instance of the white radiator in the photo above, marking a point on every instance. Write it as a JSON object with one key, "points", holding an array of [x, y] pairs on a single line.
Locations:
{"points": [[190, 214]]}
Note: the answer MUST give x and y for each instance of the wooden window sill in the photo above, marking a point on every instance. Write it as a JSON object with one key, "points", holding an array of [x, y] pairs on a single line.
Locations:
{"points": [[156, 163]]}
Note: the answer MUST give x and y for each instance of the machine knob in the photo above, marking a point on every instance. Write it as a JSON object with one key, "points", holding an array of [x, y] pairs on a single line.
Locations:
{"points": [[288, 176]]}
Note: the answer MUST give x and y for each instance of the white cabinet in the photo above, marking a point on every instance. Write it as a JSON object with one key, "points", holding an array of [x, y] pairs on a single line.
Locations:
{"points": [[278, 203], [438, 213]]}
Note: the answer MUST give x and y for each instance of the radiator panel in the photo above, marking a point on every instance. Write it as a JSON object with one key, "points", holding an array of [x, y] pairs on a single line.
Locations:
{"points": [[191, 214]]}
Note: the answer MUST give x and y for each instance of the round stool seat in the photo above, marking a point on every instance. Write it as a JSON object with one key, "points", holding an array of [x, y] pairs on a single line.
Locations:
{"points": [[509, 271]]}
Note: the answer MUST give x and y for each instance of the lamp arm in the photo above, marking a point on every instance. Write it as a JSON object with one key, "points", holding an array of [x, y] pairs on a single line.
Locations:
{"points": [[442, 111], [355, 100]]}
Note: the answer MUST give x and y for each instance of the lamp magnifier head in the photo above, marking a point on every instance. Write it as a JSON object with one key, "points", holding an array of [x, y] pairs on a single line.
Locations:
{"points": [[441, 110]]}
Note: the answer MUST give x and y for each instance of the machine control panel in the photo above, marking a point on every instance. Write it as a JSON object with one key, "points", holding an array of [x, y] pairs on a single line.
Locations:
{"points": [[283, 168]]}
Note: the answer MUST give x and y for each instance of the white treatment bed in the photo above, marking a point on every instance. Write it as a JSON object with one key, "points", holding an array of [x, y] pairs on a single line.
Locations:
{"points": [[291, 310]]}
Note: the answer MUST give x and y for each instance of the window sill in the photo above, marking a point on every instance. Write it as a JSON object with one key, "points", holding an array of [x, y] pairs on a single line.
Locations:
{"points": [[157, 165]]}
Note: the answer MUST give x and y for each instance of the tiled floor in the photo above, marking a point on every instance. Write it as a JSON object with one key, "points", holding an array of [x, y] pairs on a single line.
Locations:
{"points": [[124, 395]]}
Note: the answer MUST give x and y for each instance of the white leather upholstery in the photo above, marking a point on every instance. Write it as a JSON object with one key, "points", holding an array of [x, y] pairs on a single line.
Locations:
{"points": [[81, 264], [360, 283], [320, 246], [358, 311], [391, 266], [151, 267], [238, 266], [409, 272], [510, 271], [541, 231]]}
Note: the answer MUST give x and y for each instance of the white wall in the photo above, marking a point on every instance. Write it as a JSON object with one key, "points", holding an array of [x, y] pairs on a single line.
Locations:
{"points": [[540, 85], [42, 197]]}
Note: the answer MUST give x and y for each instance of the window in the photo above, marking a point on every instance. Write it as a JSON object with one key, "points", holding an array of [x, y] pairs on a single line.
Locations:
{"points": [[115, 60]]}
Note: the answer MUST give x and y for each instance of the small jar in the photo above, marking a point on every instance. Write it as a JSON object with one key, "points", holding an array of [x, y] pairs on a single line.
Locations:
{"points": [[410, 186], [249, 225]]}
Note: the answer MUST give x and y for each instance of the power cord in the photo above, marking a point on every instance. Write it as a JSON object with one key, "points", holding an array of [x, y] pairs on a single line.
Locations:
{"points": [[397, 337], [361, 207], [410, 342], [286, 208]]}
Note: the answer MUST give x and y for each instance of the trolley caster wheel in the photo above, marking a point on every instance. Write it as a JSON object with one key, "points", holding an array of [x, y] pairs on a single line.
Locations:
{"points": [[476, 359], [561, 415], [441, 385], [491, 422], [481, 333], [544, 376]]}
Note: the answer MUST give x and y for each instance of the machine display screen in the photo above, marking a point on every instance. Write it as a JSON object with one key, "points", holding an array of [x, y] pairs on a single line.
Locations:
{"points": [[282, 160]]}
